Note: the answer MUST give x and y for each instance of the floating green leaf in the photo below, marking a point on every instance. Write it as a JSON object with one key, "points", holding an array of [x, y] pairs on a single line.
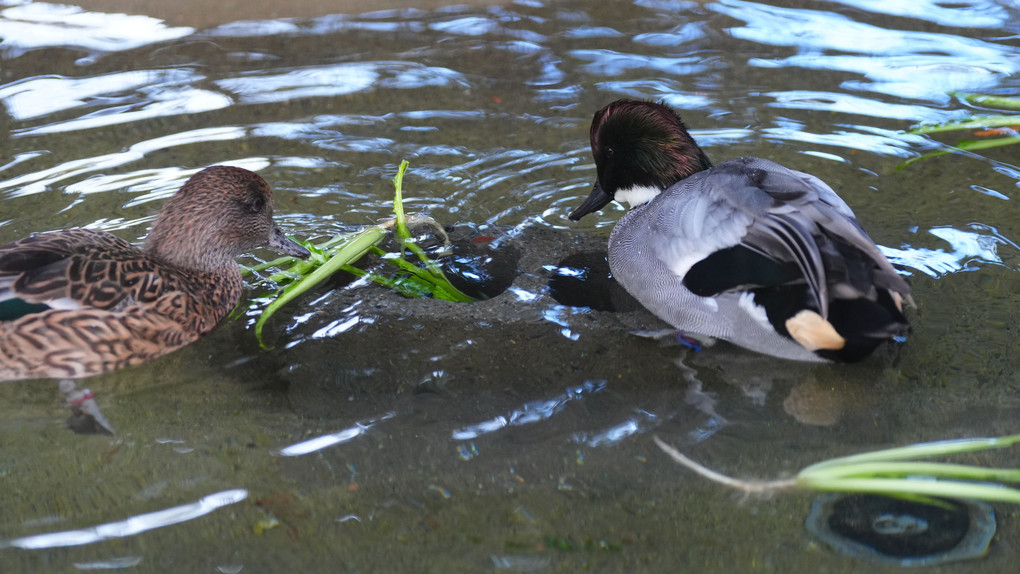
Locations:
{"points": [[995, 123], [1003, 102], [342, 251], [965, 145], [971, 123], [350, 252]]}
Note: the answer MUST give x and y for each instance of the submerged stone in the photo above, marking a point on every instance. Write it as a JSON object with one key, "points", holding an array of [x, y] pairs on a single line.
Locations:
{"points": [[899, 532]]}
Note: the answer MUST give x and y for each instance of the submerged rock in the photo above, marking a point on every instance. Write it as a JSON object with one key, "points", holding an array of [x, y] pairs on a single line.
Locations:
{"points": [[898, 532]]}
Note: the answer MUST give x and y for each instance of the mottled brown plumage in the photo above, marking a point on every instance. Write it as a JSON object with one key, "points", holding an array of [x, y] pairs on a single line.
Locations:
{"points": [[83, 302]]}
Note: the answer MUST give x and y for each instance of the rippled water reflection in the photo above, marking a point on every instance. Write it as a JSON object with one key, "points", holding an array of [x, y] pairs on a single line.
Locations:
{"points": [[380, 438]]}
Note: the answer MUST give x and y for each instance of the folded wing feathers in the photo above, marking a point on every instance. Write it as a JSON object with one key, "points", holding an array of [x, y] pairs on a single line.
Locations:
{"points": [[794, 216], [40, 269], [792, 235], [5, 288]]}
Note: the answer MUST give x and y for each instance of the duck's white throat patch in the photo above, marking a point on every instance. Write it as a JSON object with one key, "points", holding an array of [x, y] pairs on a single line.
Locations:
{"points": [[637, 195]]}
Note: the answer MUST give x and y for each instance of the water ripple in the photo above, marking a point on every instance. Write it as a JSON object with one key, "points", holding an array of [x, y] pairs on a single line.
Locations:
{"points": [[851, 104], [924, 65], [604, 62], [967, 250], [120, 563], [642, 421], [679, 35], [669, 91], [45, 179], [327, 440], [963, 13], [337, 80], [35, 25], [121, 98], [328, 24], [530, 412], [892, 144], [131, 526]]}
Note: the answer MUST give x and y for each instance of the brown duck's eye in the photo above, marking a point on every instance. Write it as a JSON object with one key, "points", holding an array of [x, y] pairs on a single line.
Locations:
{"points": [[609, 152], [257, 204]]}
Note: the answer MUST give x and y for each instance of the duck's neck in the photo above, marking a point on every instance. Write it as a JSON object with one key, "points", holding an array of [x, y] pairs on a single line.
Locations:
{"points": [[637, 195], [684, 159], [194, 251]]}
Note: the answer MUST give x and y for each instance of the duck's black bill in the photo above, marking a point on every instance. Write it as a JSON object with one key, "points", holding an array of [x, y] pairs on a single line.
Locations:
{"points": [[285, 245], [596, 201]]}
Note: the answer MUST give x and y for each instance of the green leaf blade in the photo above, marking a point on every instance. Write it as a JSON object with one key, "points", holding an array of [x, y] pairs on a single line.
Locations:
{"points": [[913, 487], [924, 450], [913, 469], [351, 251], [1004, 102], [971, 123]]}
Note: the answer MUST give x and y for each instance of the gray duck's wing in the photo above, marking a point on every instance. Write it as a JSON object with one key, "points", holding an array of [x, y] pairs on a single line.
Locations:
{"points": [[749, 223]]}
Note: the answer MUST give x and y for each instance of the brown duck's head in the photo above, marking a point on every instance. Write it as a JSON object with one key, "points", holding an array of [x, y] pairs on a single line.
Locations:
{"points": [[218, 214]]}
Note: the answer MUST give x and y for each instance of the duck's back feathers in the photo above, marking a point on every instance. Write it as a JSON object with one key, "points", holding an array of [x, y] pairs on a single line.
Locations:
{"points": [[79, 302], [792, 218], [70, 269]]}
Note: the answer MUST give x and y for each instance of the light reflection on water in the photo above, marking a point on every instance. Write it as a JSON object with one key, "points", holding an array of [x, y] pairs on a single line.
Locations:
{"points": [[334, 81], [911, 64], [529, 413], [968, 250], [34, 25], [331, 439], [491, 105], [963, 13], [131, 526]]}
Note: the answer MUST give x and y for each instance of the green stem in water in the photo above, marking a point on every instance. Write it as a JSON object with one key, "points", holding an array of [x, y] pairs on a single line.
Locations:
{"points": [[320, 252], [923, 450], [338, 254], [965, 146], [1003, 102], [891, 472], [971, 123], [355, 249], [398, 202], [443, 288], [916, 488]]}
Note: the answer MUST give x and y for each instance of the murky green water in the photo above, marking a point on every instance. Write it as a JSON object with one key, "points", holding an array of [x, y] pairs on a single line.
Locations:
{"points": [[388, 435]]}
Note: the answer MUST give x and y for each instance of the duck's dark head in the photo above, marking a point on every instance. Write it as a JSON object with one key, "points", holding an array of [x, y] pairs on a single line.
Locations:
{"points": [[640, 148]]}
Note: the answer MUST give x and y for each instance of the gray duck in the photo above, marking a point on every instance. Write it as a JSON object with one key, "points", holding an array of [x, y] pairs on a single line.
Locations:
{"points": [[748, 251]]}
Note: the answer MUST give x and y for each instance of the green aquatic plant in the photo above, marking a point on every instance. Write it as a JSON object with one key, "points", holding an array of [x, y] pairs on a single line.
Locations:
{"points": [[1003, 127], [341, 252], [1004, 102], [891, 472]]}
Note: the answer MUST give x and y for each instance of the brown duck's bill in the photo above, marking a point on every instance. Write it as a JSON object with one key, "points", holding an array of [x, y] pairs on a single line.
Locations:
{"points": [[283, 244], [596, 201]]}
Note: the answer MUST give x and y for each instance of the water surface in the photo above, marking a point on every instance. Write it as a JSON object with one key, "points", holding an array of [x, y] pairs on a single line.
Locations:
{"points": [[388, 435]]}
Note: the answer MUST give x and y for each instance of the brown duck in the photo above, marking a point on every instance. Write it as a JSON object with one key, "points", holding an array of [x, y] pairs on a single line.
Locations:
{"points": [[77, 303]]}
